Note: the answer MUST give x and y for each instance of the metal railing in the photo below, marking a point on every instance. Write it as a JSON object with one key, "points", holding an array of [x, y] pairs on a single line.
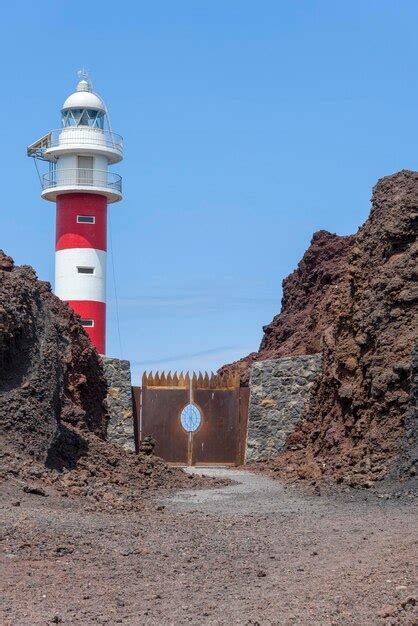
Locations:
{"points": [[84, 135], [80, 177]]}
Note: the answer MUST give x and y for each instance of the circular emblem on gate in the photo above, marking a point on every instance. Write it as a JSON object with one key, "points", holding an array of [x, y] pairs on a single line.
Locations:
{"points": [[190, 418]]}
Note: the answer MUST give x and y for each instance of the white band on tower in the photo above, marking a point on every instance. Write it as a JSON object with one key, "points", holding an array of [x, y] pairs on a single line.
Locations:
{"points": [[80, 274]]}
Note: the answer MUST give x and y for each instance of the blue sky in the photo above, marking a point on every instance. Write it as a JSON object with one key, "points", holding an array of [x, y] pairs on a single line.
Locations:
{"points": [[248, 126]]}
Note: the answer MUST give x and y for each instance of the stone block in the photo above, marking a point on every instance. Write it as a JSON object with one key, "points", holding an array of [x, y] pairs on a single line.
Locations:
{"points": [[119, 402], [279, 389]]}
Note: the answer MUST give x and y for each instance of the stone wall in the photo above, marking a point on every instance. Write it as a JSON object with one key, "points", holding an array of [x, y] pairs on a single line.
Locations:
{"points": [[407, 465], [279, 389], [119, 402]]}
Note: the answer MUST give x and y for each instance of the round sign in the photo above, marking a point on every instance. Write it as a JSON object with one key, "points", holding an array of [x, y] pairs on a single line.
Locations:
{"points": [[190, 418]]}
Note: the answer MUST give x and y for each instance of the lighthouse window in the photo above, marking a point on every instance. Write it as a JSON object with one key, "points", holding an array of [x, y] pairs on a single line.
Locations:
{"points": [[86, 219], [95, 118], [83, 117], [85, 270], [67, 119], [89, 323]]}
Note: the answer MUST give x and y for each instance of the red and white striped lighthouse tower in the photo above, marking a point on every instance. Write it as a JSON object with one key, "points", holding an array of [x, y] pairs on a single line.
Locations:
{"points": [[78, 180]]}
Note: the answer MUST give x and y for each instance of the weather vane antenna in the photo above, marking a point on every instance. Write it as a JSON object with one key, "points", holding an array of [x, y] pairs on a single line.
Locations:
{"points": [[83, 74], [84, 77]]}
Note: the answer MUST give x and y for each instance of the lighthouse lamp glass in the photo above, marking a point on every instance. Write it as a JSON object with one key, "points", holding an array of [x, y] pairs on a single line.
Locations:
{"points": [[83, 117]]}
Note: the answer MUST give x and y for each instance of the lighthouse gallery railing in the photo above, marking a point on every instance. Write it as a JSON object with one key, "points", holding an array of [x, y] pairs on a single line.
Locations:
{"points": [[80, 135], [81, 177]]}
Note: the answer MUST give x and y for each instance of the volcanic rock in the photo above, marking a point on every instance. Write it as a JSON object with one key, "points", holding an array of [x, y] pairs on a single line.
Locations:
{"points": [[53, 417], [357, 300], [49, 371], [359, 416], [311, 300]]}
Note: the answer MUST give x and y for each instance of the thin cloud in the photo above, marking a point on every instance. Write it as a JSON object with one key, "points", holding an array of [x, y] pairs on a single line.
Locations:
{"points": [[187, 355], [194, 301]]}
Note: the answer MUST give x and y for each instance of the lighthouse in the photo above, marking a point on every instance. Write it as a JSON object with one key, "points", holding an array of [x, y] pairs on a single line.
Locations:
{"points": [[79, 182]]}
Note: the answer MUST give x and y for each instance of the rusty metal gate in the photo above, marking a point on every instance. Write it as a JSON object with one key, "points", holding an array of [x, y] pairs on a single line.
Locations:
{"points": [[195, 420]]}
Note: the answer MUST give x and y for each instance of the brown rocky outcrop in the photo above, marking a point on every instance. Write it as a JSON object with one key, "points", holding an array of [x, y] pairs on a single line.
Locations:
{"points": [[312, 297], [53, 418], [360, 424], [49, 371], [359, 417]]}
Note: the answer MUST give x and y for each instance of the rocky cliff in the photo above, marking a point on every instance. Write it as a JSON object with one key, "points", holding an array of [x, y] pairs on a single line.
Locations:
{"points": [[358, 423], [49, 371], [355, 300], [311, 300], [53, 418]]}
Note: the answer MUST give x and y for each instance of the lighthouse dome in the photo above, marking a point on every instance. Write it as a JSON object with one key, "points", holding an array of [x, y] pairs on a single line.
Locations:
{"points": [[83, 108], [83, 98]]}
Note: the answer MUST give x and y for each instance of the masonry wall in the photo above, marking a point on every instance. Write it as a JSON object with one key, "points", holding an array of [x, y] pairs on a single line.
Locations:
{"points": [[119, 402], [407, 466], [279, 389]]}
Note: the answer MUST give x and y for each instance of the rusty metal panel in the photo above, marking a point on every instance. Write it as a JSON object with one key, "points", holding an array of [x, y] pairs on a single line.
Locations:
{"points": [[217, 440], [220, 437], [161, 408], [166, 381]]}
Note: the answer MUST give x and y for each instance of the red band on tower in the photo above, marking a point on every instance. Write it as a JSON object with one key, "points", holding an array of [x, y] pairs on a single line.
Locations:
{"points": [[72, 234], [96, 311]]}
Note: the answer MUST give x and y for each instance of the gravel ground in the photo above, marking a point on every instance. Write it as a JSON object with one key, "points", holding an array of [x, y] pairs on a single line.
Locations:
{"points": [[253, 494], [255, 552]]}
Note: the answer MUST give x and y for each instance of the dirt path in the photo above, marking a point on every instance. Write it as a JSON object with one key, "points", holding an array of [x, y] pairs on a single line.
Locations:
{"points": [[253, 494], [251, 553]]}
